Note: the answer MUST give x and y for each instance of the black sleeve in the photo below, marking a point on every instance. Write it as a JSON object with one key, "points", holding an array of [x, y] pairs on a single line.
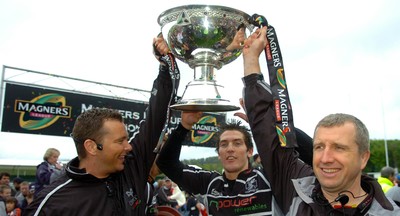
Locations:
{"points": [[144, 142], [168, 160], [305, 148], [281, 164]]}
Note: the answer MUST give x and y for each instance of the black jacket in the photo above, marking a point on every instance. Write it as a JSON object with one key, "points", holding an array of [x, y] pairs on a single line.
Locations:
{"points": [[124, 193], [250, 194]]}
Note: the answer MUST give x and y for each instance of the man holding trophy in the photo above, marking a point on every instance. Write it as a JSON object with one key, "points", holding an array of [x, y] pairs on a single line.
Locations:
{"points": [[215, 36]]}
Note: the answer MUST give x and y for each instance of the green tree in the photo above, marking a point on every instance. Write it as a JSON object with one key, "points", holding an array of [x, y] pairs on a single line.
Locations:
{"points": [[377, 159]]}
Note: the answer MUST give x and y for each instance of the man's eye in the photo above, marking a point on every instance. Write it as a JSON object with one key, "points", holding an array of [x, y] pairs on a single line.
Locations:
{"points": [[238, 143], [317, 147], [223, 145]]}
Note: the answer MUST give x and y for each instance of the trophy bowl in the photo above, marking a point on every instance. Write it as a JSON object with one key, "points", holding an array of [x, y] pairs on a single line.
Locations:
{"points": [[205, 37]]}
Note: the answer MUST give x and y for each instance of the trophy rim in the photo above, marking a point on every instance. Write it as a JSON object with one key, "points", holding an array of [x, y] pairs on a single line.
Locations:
{"points": [[161, 18], [205, 107]]}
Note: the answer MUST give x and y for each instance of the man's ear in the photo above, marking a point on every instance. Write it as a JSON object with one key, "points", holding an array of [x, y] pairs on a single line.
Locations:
{"points": [[364, 159], [90, 146], [250, 153]]}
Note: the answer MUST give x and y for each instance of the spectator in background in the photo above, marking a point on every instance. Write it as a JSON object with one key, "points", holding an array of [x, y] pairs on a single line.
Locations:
{"points": [[48, 170], [26, 195], [4, 178], [386, 180], [24, 188], [5, 192], [160, 184], [164, 192], [256, 161], [28, 198], [394, 192], [16, 184], [12, 207], [178, 196]]}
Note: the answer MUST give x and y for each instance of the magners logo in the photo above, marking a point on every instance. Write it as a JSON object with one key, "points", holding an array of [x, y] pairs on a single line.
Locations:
{"points": [[42, 111], [204, 129]]}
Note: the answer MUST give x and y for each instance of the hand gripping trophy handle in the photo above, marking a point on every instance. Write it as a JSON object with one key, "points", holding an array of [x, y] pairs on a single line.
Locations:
{"points": [[258, 20]]}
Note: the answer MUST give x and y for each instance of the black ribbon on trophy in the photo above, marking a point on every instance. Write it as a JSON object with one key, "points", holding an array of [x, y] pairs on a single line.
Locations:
{"points": [[283, 109]]}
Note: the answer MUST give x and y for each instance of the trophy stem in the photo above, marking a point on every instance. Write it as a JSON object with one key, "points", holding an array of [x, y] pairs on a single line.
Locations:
{"points": [[204, 73]]}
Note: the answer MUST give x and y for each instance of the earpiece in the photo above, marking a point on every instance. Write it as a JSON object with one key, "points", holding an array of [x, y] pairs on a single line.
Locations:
{"points": [[99, 146]]}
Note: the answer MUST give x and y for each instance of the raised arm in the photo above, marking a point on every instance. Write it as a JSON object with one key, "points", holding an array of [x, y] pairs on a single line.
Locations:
{"points": [[168, 159], [163, 93], [280, 164]]}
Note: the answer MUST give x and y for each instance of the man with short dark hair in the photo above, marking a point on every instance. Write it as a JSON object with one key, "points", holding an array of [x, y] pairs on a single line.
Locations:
{"points": [[16, 186], [5, 178], [109, 176], [239, 182]]}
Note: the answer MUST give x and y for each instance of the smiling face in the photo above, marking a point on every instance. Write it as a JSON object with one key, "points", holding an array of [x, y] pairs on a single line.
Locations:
{"points": [[233, 153], [337, 161], [115, 147]]}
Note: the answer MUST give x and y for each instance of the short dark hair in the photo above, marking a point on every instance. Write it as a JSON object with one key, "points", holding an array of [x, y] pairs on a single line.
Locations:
{"points": [[89, 125], [4, 174], [12, 200], [234, 125], [18, 180]]}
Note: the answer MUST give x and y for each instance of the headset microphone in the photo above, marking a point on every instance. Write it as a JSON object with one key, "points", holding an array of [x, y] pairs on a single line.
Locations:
{"points": [[129, 156], [99, 146], [343, 199]]}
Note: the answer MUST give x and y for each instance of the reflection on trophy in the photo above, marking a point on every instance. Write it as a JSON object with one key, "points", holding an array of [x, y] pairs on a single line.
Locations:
{"points": [[205, 37]]}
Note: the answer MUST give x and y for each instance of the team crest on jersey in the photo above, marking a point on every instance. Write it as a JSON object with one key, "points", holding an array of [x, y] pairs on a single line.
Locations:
{"points": [[133, 198], [251, 186], [215, 192]]}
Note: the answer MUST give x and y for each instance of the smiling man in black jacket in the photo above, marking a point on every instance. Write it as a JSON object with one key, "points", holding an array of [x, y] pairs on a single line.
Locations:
{"points": [[102, 180]]}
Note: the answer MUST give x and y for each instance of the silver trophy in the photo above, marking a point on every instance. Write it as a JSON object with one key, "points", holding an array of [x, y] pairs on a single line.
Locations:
{"points": [[206, 37]]}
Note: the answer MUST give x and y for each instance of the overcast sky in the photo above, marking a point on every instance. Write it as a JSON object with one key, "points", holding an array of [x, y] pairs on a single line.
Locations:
{"points": [[339, 56]]}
